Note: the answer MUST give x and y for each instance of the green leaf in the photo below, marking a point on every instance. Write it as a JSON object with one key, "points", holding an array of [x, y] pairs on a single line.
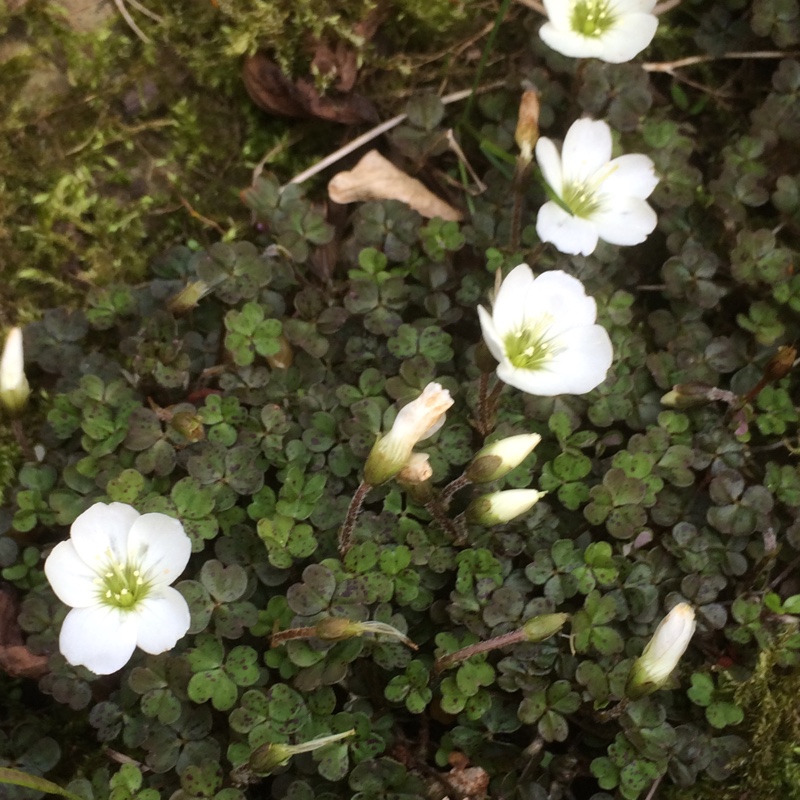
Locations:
{"points": [[17, 777]]}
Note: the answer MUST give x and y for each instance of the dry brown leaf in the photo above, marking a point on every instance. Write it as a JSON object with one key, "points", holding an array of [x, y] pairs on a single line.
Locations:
{"points": [[376, 178], [271, 90]]}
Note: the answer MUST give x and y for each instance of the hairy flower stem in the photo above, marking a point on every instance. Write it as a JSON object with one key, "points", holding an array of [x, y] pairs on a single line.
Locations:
{"points": [[279, 637], [614, 712], [449, 526], [454, 486], [22, 440], [346, 531], [518, 189], [445, 662]]}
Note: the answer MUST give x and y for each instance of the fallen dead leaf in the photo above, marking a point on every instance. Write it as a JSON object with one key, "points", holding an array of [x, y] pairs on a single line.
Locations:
{"points": [[271, 90], [376, 178]]}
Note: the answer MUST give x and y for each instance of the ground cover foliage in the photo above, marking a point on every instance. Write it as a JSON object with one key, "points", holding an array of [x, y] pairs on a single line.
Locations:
{"points": [[250, 414]]}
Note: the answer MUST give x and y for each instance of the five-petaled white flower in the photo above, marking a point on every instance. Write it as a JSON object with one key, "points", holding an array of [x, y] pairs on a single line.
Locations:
{"points": [[611, 30], [542, 333], [598, 197], [115, 571]]}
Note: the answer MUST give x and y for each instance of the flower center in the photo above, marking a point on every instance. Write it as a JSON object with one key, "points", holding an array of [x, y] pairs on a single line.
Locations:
{"points": [[592, 17], [528, 347], [581, 200], [121, 585]]}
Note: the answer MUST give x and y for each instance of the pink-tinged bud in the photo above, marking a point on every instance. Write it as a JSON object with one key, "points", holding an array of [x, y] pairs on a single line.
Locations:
{"points": [[498, 458], [416, 471], [14, 388], [527, 132], [663, 652], [416, 421], [499, 507]]}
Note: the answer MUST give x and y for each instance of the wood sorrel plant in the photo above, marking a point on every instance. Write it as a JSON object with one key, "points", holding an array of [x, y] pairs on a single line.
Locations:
{"points": [[240, 389]]}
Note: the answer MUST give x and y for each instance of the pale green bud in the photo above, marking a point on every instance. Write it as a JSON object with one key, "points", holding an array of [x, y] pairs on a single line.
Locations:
{"points": [[270, 756], [416, 421], [188, 297], [498, 458], [14, 388], [663, 652], [543, 626], [499, 507]]}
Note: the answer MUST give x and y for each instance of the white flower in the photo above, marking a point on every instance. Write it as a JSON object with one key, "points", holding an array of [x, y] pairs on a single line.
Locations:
{"points": [[611, 30], [542, 332], [663, 652], [599, 198], [14, 388], [418, 420], [499, 507], [115, 571]]}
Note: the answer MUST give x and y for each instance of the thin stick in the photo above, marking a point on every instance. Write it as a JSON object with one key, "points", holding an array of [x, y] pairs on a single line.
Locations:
{"points": [[120, 4], [339, 154], [670, 66], [146, 11]]}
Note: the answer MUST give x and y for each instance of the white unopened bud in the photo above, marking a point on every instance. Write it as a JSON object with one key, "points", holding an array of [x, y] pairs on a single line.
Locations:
{"points": [[418, 420], [499, 507], [498, 458], [663, 652], [14, 388]]}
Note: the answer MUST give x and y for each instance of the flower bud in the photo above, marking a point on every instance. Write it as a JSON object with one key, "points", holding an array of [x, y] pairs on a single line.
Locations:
{"points": [[14, 388], [499, 507], [499, 458], [543, 626], [418, 420], [284, 357], [780, 365], [527, 132], [661, 655], [336, 629], [188, 297], [417, 470], [271, 755]]}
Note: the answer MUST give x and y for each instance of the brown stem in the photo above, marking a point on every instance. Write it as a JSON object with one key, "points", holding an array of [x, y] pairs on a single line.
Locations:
{"points": [[436, 510], [516, 214], [22, 440], [613, 713], [445, 662], [279, 637], [453, 487], [483, 393], [346, 531]]}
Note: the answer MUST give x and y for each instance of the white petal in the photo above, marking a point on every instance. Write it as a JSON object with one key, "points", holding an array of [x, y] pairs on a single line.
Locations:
{"points": [[510, 305], [162, 620], [634, 6], [539, 382], [631, 175], [584, 360], [102, 532], [160, 547], [562, 298], [100, 638], [587, 148], [569, 234], [558, 12], [627, 38], [549, 160], [628, 221], [565, 41], [69, 575], [493, 341]]}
